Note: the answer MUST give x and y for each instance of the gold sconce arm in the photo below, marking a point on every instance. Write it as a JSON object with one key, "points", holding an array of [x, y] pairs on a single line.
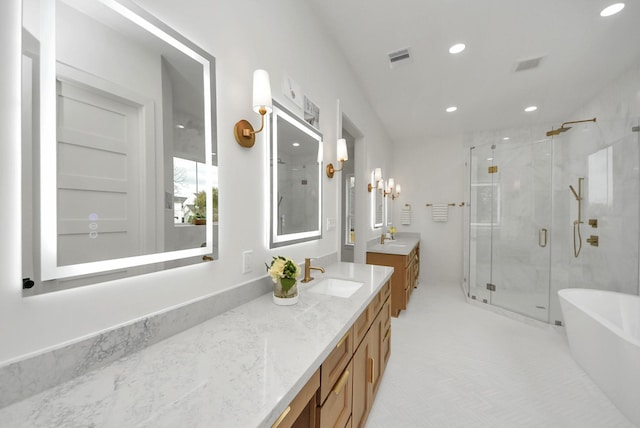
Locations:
{"points": [[331, 169], [244, 133]]}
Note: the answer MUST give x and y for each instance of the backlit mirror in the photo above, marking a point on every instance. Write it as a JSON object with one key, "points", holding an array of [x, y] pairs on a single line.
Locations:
{"points": [[119, 152], [296, 180], [377, 205]]}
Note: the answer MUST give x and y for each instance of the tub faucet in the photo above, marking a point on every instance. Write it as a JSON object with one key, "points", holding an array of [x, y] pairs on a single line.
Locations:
{"points": [[308, 268]]}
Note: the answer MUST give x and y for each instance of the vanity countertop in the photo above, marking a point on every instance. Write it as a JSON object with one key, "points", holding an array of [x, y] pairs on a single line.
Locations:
{"points": [[400, 246], [239, 369]]}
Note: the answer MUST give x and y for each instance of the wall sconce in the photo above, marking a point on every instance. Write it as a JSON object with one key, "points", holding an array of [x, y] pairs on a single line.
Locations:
{"points": [[343, 155], [391, 186], [377, 176], [243, 131]]}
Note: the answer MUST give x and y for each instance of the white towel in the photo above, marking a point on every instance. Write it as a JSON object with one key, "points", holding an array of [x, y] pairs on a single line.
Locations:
{"points": [[406, 215], [440, 212]]}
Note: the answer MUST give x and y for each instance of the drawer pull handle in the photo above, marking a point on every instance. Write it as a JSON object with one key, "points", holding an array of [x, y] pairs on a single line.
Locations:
{"points": [[388, 334], [281, 417], [372, 364], [342, 340], [341, 382]]}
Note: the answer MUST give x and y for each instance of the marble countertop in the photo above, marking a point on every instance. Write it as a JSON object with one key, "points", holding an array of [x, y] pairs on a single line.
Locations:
{"points": [[400, 246], [239, 369]]}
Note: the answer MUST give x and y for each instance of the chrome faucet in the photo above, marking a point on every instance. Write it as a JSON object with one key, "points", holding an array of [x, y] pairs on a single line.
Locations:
{"points": [[308, 268]]}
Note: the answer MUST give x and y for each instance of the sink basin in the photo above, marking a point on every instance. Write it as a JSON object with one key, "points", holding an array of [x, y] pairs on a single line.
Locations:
{"points": [[336, 287]]}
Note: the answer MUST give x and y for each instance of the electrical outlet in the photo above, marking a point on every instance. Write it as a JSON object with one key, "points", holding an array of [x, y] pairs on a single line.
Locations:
{"points": [[247, 261]]}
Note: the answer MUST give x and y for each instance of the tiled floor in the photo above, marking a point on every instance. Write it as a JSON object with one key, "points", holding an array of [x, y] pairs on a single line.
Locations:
{"points": [[457, 365]]}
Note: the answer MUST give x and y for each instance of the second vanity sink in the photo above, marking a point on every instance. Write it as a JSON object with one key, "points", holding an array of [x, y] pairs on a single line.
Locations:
{"points": [[336, 287]]}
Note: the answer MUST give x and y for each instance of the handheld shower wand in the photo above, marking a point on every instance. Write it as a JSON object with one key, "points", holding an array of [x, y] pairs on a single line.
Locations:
{"points": [[576, 223]]}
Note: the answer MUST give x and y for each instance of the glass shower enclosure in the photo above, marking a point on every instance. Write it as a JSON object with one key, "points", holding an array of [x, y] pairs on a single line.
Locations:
{"points": [[523, 217]]}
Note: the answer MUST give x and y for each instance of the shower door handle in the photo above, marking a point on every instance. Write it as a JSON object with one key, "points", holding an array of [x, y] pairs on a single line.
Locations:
{"points": [[542, 237]]}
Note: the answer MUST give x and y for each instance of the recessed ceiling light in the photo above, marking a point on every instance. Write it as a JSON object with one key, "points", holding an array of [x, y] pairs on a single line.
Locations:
{"points": [[451, 109], [296, 144], [612, 10], [530, 109], [489, 159], [180, 126], [457, 48], [505, 138]]}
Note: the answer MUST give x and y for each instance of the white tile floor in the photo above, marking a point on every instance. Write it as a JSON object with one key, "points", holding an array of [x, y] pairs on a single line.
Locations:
{"points": [[457, 365]]}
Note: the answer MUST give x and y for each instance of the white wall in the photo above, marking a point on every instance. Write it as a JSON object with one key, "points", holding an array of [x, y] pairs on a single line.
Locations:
{"points": [[432, 170], [281, 36]]}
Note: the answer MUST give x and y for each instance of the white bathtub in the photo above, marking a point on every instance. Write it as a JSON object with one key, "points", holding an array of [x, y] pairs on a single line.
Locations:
{"points": [[603, 328]]}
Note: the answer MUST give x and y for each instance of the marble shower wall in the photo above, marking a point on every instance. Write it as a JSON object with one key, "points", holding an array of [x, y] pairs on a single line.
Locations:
{"points": [[606, 155]]}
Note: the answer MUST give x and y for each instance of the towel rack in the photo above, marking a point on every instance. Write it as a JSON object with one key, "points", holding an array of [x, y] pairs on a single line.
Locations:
{"points": [[452, 204]]}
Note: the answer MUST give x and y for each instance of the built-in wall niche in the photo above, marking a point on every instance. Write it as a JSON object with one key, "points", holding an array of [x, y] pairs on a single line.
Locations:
{"points": [[119, 144], [295, 179]]}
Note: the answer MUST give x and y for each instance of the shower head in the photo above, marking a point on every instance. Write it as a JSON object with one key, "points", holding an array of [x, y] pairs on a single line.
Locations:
{"points": [[574, 192], [564, 128], [558, 131]]}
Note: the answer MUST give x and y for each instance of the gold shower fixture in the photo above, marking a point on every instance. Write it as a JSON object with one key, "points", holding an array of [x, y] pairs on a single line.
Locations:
{"points": [[564, 128]]}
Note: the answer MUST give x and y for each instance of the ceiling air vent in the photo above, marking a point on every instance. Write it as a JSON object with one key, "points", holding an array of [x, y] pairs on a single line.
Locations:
{"points": [[528, 64], [397, 57]]}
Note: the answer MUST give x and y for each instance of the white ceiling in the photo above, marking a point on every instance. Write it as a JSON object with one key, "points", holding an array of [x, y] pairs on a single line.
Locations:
{"points": [[582, 51]]}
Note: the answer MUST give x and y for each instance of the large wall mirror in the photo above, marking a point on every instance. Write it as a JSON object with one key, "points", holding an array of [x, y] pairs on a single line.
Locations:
{"points": [[119, 151], [378, 205], [296, 179]]}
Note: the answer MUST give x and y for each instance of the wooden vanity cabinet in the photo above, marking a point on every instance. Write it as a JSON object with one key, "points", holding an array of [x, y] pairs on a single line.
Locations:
{"points": [[340, 394], [404, 278], [302, 412]]}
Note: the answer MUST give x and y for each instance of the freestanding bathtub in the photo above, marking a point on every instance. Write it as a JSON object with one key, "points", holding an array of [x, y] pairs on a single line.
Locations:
{"points": [[603, 328]]}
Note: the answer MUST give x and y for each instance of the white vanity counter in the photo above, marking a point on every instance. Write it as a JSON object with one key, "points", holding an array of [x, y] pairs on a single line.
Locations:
{"points": [[239, 369], [402, 245]]}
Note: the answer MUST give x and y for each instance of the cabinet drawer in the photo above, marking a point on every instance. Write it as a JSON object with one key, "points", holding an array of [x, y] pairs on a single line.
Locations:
{"points": [[336, 410], [386, 291], [385, 348], [302, 408], [334, 365], [361, 326], [386, 315], [376, 304]]}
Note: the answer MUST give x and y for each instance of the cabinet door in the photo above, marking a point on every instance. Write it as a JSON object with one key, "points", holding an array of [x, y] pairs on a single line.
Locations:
{"points": [[336, 410], [385, 345], [377, 362], [363, 366], [302, 410]]}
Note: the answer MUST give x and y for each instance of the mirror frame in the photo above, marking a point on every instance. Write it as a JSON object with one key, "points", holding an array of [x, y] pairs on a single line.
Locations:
{"points": [[276, 240], [375, 194], [48, 182]]}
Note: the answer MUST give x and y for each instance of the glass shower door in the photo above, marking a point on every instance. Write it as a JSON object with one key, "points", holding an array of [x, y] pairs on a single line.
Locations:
{"points": [[521, 228], [483, 201]]}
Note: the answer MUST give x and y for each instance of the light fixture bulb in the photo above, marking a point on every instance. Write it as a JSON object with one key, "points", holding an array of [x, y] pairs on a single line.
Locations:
{"points": [[391, 184], [377, 175], [612, 10], [398, 188], [457, 48], [343, 155], [261, 91]]}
